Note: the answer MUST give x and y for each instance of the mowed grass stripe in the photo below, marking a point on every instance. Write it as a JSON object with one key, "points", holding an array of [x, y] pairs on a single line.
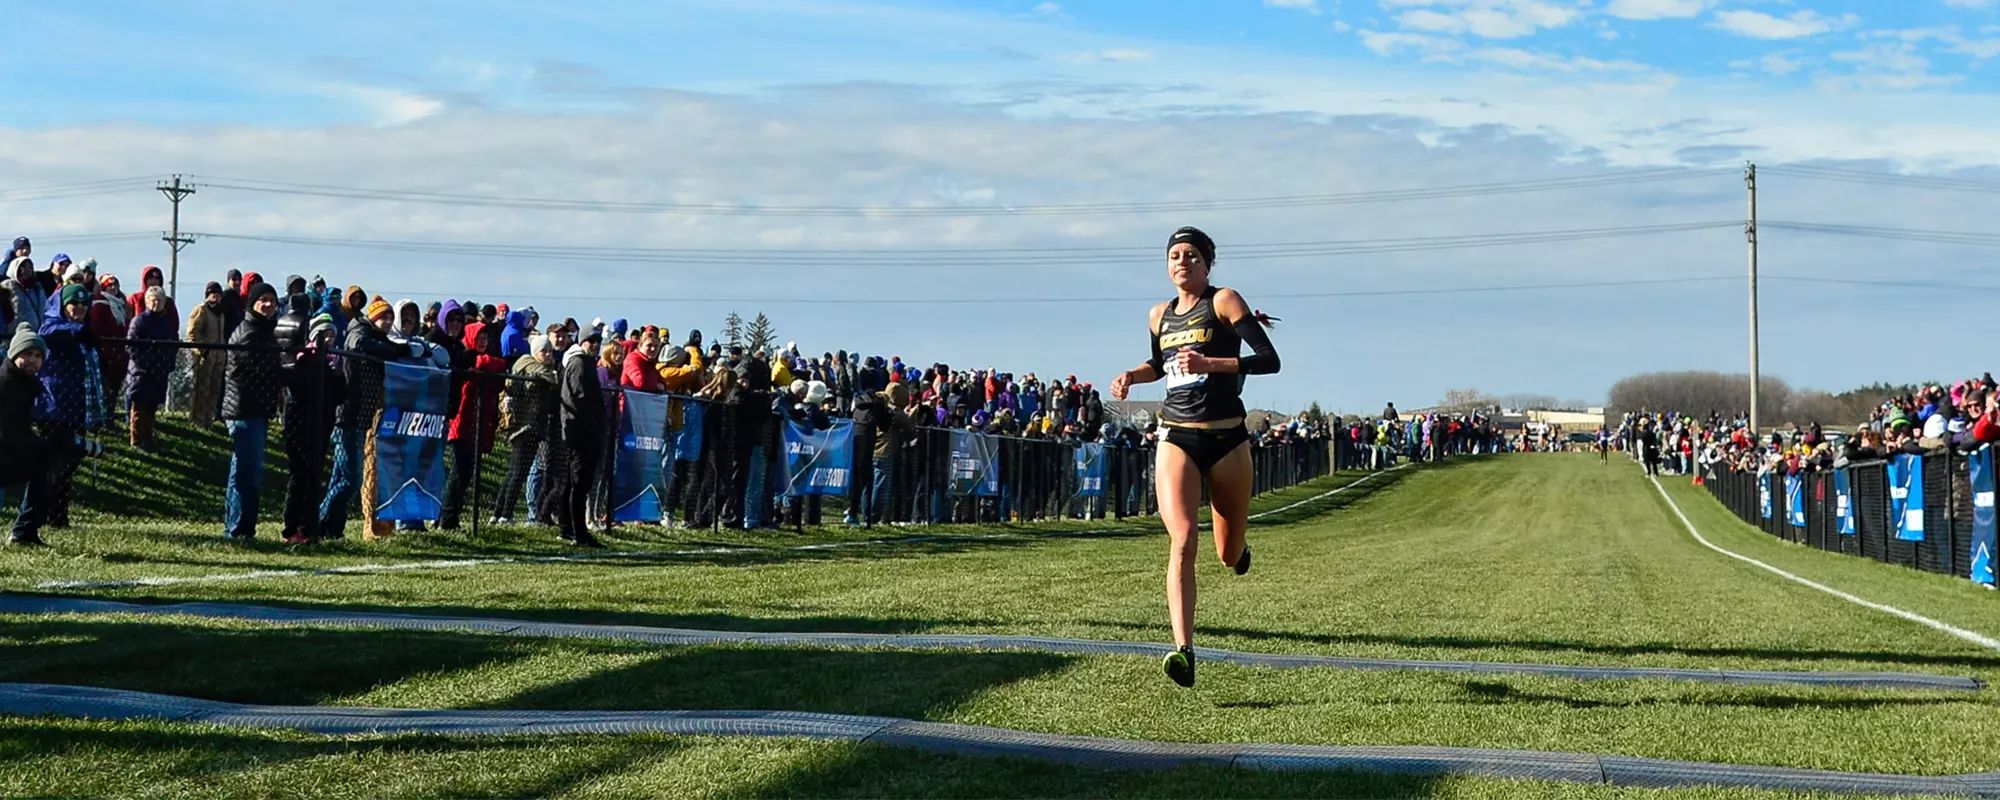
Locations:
{"points": [[1531, 558]]}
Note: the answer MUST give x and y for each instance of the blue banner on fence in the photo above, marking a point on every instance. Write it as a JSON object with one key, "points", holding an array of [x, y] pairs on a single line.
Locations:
{"points": [[1795, 500], [1982, 515], [1090, 470], [410, 443], [975, 465], [687, 442], [642, 432], [819, 461], [1764, 493], [1906, 496], [1843, 502]]}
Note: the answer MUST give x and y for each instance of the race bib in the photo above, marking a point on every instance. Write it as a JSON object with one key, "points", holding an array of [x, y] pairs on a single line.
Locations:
{"points": [[1177, 379]]}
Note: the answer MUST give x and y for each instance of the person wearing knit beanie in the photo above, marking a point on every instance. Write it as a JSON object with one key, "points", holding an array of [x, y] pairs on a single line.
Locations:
{"points": [[75, 293], [257, 290], [378, 308], [24, 341], [322, 323]]}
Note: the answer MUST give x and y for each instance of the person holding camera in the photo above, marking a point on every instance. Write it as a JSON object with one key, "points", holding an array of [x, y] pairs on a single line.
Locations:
{"points": [[24, 455]]}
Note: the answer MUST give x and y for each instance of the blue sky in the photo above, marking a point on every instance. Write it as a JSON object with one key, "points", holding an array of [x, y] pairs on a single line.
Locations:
{"points": [[927, 104]]}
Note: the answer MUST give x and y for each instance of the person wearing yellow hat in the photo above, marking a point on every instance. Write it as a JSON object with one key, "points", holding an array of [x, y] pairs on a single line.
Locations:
{"points": [[354, 425]]}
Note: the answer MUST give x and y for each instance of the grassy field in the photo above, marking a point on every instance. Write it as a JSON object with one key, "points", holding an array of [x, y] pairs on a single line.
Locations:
{"points": [[1541, 558]]}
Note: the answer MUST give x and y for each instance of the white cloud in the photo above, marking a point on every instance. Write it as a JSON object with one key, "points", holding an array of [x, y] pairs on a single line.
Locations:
{"points": [[1657, 9], [1389, 43], [1301, 5], [1970, 3], [1759, 25], [1487, 19], [1048, 9], [1115, 54], [1539, 61]]}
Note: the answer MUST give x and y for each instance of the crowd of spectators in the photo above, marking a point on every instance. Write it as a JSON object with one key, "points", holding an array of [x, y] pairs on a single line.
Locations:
{"points": [[1962, 415], [86, 358]]}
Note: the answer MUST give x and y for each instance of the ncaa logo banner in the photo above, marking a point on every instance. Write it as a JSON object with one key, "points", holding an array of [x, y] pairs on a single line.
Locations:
{"points": [[1090, 470], [1795, 500], [642, 443], [1764, 493], [410, 443], [1843, 502], [819, 462], [1906, 496], [975, 465], [1982, 515]]}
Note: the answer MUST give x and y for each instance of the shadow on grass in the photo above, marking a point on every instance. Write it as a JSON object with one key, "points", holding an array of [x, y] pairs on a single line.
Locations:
{"points": [[910, 684], [1560, 646], [875, 771], [1493, 692], [294, 666], [591, 616], [241, 665], [224, 763]]}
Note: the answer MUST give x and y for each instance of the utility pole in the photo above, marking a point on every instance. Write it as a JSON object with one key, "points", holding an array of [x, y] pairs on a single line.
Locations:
{"points": [[1750, 231], [175, 193]]}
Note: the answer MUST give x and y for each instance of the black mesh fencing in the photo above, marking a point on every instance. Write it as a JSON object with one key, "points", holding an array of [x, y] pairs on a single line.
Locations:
{"points": [[1947, 546], [182, 473]]}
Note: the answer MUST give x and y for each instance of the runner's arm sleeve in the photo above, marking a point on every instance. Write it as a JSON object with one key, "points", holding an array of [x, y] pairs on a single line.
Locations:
{"points": [[1158, 362], [1263, 358]]}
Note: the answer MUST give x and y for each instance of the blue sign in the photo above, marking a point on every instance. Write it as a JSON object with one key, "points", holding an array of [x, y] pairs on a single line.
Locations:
{"points": [[1982, 516], [1843, 502], [642, 429], [1795, 500], [1764, 493], [975, 465], [1906, 496], [687, 444], [410, 443], [817, 461], [1090, 470]]}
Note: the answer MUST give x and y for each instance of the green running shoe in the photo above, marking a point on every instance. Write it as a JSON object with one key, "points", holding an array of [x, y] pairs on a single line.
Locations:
{"points": [[1180, 666]]}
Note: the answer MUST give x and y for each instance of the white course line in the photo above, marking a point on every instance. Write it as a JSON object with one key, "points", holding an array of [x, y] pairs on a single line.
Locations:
{"points": [[361, 569], [1975, 638]]}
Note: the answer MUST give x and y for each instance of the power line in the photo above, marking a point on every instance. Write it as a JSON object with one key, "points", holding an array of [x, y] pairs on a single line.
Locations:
{"points": [[68, 190], [756, 209], [959, 301], [1904, 234], [974, 257], [1883, 178], [1889, 284]]}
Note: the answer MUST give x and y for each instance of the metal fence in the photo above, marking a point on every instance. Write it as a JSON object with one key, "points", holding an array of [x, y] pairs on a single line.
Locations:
{"points": [[1037, 478], [1947, 546]]}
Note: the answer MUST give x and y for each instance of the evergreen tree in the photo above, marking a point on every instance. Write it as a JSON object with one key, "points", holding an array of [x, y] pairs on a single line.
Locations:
{"points": [[763, 335], [732, 330]]}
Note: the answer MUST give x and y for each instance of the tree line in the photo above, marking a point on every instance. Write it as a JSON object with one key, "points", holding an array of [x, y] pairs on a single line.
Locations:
{"points": [[1696, 393]]}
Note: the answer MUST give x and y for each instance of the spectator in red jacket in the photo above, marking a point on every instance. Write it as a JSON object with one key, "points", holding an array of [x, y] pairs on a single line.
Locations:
{"points": [[475, 421]]}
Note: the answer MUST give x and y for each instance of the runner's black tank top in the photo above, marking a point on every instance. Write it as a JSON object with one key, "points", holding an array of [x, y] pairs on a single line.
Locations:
{"points": [[1199, 398]]}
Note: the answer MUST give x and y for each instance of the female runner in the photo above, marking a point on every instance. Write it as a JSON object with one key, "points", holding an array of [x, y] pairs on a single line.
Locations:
{"points": [[1197, 345]]}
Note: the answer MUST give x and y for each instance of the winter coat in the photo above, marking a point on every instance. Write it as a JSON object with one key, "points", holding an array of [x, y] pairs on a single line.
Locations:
{"points": [[531, 402], [136, 301], [364, 375], [580, 417], [642, 373], [18, 394], [147, 370], [110, 319], [28, 302], [205, 327], [71, 376], [300, 385], [232, 310], [254, 381], [514, 340], [479, 398]]}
